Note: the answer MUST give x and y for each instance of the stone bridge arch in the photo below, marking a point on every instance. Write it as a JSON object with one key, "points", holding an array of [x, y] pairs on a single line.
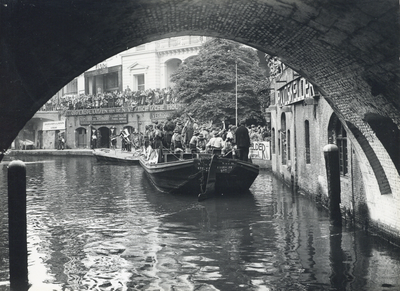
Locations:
{"points": [[348, 49]]}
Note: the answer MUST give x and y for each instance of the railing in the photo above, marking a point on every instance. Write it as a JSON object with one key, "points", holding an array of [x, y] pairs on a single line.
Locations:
{"points": [[111, 100]]}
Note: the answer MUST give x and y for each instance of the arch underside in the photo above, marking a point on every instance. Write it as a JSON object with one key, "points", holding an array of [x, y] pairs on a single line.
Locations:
{"points": [[348, 50]]}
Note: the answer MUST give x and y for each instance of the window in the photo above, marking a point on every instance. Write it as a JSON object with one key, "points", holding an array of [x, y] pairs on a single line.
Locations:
{"points": [[283, 139], [341, 142], [71, 87], [337, 135], [139, 82], [273, 140], [110, 81], [307, 141]]}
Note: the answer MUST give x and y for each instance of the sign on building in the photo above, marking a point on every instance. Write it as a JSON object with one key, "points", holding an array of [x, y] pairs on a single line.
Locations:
{"points": [[261, 150], [103, 119], [54, 125]]}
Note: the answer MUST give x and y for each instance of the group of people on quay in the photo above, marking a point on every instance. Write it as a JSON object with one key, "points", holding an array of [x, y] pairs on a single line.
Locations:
{"points": [[189, 136], [126, 98]]}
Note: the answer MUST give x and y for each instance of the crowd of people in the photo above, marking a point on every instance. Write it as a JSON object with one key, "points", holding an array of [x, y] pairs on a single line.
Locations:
{"points": [[189, 136], [127, 98]]}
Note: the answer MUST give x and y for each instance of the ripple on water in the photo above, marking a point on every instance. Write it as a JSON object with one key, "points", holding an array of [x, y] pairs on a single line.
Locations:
{"points": [[93, 226]]}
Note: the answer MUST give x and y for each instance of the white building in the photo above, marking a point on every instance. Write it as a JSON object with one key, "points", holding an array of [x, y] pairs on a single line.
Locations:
{"points": [[148, 66]]}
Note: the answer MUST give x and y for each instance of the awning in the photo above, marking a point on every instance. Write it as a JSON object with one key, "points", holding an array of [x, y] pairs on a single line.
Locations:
{"points": [[26, 142]]}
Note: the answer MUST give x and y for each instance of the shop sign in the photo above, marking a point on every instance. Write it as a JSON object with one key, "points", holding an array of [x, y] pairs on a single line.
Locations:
{"points": [[261, 150], [103, 119], [144, 108], [159, 115], [295, 91], [99, 111], [159, 107], [54, 125]]}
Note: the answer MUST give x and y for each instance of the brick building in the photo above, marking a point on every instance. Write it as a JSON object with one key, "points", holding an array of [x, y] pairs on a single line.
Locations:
{"points": [[302, 123]]}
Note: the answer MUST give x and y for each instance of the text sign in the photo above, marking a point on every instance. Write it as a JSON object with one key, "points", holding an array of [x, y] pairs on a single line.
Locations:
{"points": [[261, 150], [159, 115], [140, 108], [103, 119], [54, 125]]}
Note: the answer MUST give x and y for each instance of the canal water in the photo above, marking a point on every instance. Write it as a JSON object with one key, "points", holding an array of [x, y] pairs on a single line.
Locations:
{"points": [[94, 226]]}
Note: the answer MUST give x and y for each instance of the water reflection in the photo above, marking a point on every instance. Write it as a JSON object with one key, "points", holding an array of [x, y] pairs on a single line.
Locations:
{"points": [[98, 226]]}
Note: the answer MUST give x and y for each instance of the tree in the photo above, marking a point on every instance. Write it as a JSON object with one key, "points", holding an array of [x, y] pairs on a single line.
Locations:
{"points": [[206, 83]]}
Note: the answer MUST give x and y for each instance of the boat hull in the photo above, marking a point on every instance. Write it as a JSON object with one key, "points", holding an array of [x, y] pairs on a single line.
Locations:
{"points": [[174, 177], [190, 176], [115, 156]]}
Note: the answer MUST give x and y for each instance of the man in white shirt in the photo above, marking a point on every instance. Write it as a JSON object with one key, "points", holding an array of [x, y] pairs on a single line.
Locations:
{"points": [[216, 142]]}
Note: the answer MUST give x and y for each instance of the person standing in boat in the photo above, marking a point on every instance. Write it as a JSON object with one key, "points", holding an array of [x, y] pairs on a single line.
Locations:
{"points": [[216, 142], [169, 131], [243, 141], [147, 149], [176, 142], [201, 143], [194, 141], [158, 138], [228, 150]]}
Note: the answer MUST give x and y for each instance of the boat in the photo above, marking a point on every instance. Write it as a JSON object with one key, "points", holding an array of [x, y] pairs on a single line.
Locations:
{"points": [[204, 174], [116, 156]]}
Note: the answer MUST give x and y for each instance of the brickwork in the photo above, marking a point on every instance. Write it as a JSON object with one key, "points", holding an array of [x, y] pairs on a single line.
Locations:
{"points": [[348, 49], [369, 189]]}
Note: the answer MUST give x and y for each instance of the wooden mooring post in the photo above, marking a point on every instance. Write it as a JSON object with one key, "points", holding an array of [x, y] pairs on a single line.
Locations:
{"points": [[331, 154], [17, 229]]}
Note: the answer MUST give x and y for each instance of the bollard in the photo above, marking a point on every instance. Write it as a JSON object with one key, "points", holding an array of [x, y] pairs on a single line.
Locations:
{"points": [[337, 258], [331, 154], [17, 230]]}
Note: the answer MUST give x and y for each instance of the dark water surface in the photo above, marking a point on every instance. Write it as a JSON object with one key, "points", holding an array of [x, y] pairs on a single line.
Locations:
{"points": [[94, 226]]}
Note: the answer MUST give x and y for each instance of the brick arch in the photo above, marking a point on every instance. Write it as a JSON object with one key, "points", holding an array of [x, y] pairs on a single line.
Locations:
{"points": [[376, 165], [348, 49]]}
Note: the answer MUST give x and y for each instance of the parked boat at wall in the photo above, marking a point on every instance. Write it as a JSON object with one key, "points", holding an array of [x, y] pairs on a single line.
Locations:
{"points": [[202, 174], [116, 156]]}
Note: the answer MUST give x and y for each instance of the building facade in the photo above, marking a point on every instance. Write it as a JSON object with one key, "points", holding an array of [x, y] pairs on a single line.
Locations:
{"points": [[93, 101], [302, 123]]}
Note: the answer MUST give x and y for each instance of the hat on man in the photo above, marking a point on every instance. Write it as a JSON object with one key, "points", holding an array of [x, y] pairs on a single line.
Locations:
{"points": [[201, 135]]}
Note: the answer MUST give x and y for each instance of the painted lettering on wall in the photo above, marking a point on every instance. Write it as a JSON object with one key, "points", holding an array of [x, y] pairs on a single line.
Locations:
{"points": [[295, 91], [103, 119], [141, 108], [261, 150]]}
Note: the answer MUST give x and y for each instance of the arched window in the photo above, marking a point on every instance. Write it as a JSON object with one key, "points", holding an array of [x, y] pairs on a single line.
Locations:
{"points": [[307, 141], [171, 66], [341, 142], [283, 138]]}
